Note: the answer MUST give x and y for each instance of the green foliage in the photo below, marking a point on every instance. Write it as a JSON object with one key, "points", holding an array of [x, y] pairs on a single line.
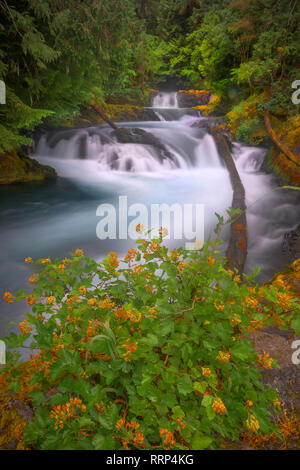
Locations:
{"points": [[147, 352]]}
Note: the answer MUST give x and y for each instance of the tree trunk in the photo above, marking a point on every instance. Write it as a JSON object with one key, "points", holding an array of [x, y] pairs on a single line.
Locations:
{"points": [[105, 117], [289, 155], [236, 252]]}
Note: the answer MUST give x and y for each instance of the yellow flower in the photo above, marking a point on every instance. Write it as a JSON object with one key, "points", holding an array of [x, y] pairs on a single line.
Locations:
{"points": [[237, 279], [153, 312], [92, 302], [252, 423], [82, 290], [50, 300], [224, 357], [277, 403], [235, 320], [45, 260], [249, 403]]}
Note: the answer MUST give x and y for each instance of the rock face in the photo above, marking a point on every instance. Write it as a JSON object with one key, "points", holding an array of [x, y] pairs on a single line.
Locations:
{"points": [[19, 168], [190, 98]]}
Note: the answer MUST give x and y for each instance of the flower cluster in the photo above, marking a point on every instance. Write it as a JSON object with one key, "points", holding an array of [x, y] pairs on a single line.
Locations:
{"points": [[134, 436], [219, 407], [65, 412], [224, 357], [130, 348], [33, 278], [206, 372], [24, 327], [265, 361], [8, 297], [252, 423], [168, 438]]}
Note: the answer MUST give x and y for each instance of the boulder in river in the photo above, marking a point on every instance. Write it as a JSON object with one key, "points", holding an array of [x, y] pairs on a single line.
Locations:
{"points": [[139, 136]]}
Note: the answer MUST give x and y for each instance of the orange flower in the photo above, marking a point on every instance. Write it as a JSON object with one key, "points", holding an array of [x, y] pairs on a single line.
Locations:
{"points": [[61, 268], [153, 312], [219, 306], [45, 260], [139, 228], [131, 255], [168, 438], [206, 372], [33, 278], [28, 259], [219, 407], [211, 261], [92, 302], [51, 300], [265, 361], [130, 347], [25, 328], [30, 300], [224, 357], [79, 252], [8, 297], [112, 259], [65, 412]]}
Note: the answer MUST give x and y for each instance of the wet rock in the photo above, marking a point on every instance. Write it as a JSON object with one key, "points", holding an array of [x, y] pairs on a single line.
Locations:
{"points": [[19, 168], [139, 136], [188, 99]]}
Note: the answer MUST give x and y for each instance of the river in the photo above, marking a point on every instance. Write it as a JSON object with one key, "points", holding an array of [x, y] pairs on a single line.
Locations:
{"points": [[51, 219]]}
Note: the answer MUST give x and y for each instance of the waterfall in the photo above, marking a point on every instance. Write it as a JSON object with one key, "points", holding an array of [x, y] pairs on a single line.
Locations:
{"points": [[97, 148], [165, 100]]}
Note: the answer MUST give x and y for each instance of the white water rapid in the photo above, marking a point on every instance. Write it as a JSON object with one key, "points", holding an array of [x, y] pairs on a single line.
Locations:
{"points": [[179, 165]]}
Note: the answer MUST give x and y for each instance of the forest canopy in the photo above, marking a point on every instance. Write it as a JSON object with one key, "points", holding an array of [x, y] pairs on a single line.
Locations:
{"points": [[57, 56]]}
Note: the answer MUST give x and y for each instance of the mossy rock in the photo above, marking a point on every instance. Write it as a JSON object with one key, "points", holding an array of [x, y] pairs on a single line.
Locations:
{"points": [[17, 167]]}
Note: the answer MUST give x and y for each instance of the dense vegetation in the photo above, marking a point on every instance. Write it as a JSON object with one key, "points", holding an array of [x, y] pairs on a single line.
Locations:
{"points": [[58, 56], [119, 365]]}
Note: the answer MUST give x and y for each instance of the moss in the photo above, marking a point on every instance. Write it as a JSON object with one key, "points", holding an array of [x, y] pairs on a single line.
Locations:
{"points": [[16, 167]]}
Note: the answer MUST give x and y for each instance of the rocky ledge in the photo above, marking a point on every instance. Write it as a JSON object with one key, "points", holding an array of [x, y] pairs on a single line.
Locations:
{"points": [[17, 167]]}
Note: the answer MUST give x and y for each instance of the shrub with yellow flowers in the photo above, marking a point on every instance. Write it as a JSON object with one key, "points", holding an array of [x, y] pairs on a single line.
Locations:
{"points": [[171, 365]]}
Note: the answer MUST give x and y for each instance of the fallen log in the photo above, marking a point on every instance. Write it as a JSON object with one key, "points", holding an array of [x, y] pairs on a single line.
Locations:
{"points": [[288, 154], [105, 117], [236, 252]]}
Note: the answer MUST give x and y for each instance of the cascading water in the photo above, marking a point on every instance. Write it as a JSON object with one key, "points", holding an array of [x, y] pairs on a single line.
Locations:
{"points": [[165, 100], [174, 162]]}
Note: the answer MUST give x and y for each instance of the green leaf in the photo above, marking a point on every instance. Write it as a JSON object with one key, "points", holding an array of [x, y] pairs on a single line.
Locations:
{"points": [[200, 442]]}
